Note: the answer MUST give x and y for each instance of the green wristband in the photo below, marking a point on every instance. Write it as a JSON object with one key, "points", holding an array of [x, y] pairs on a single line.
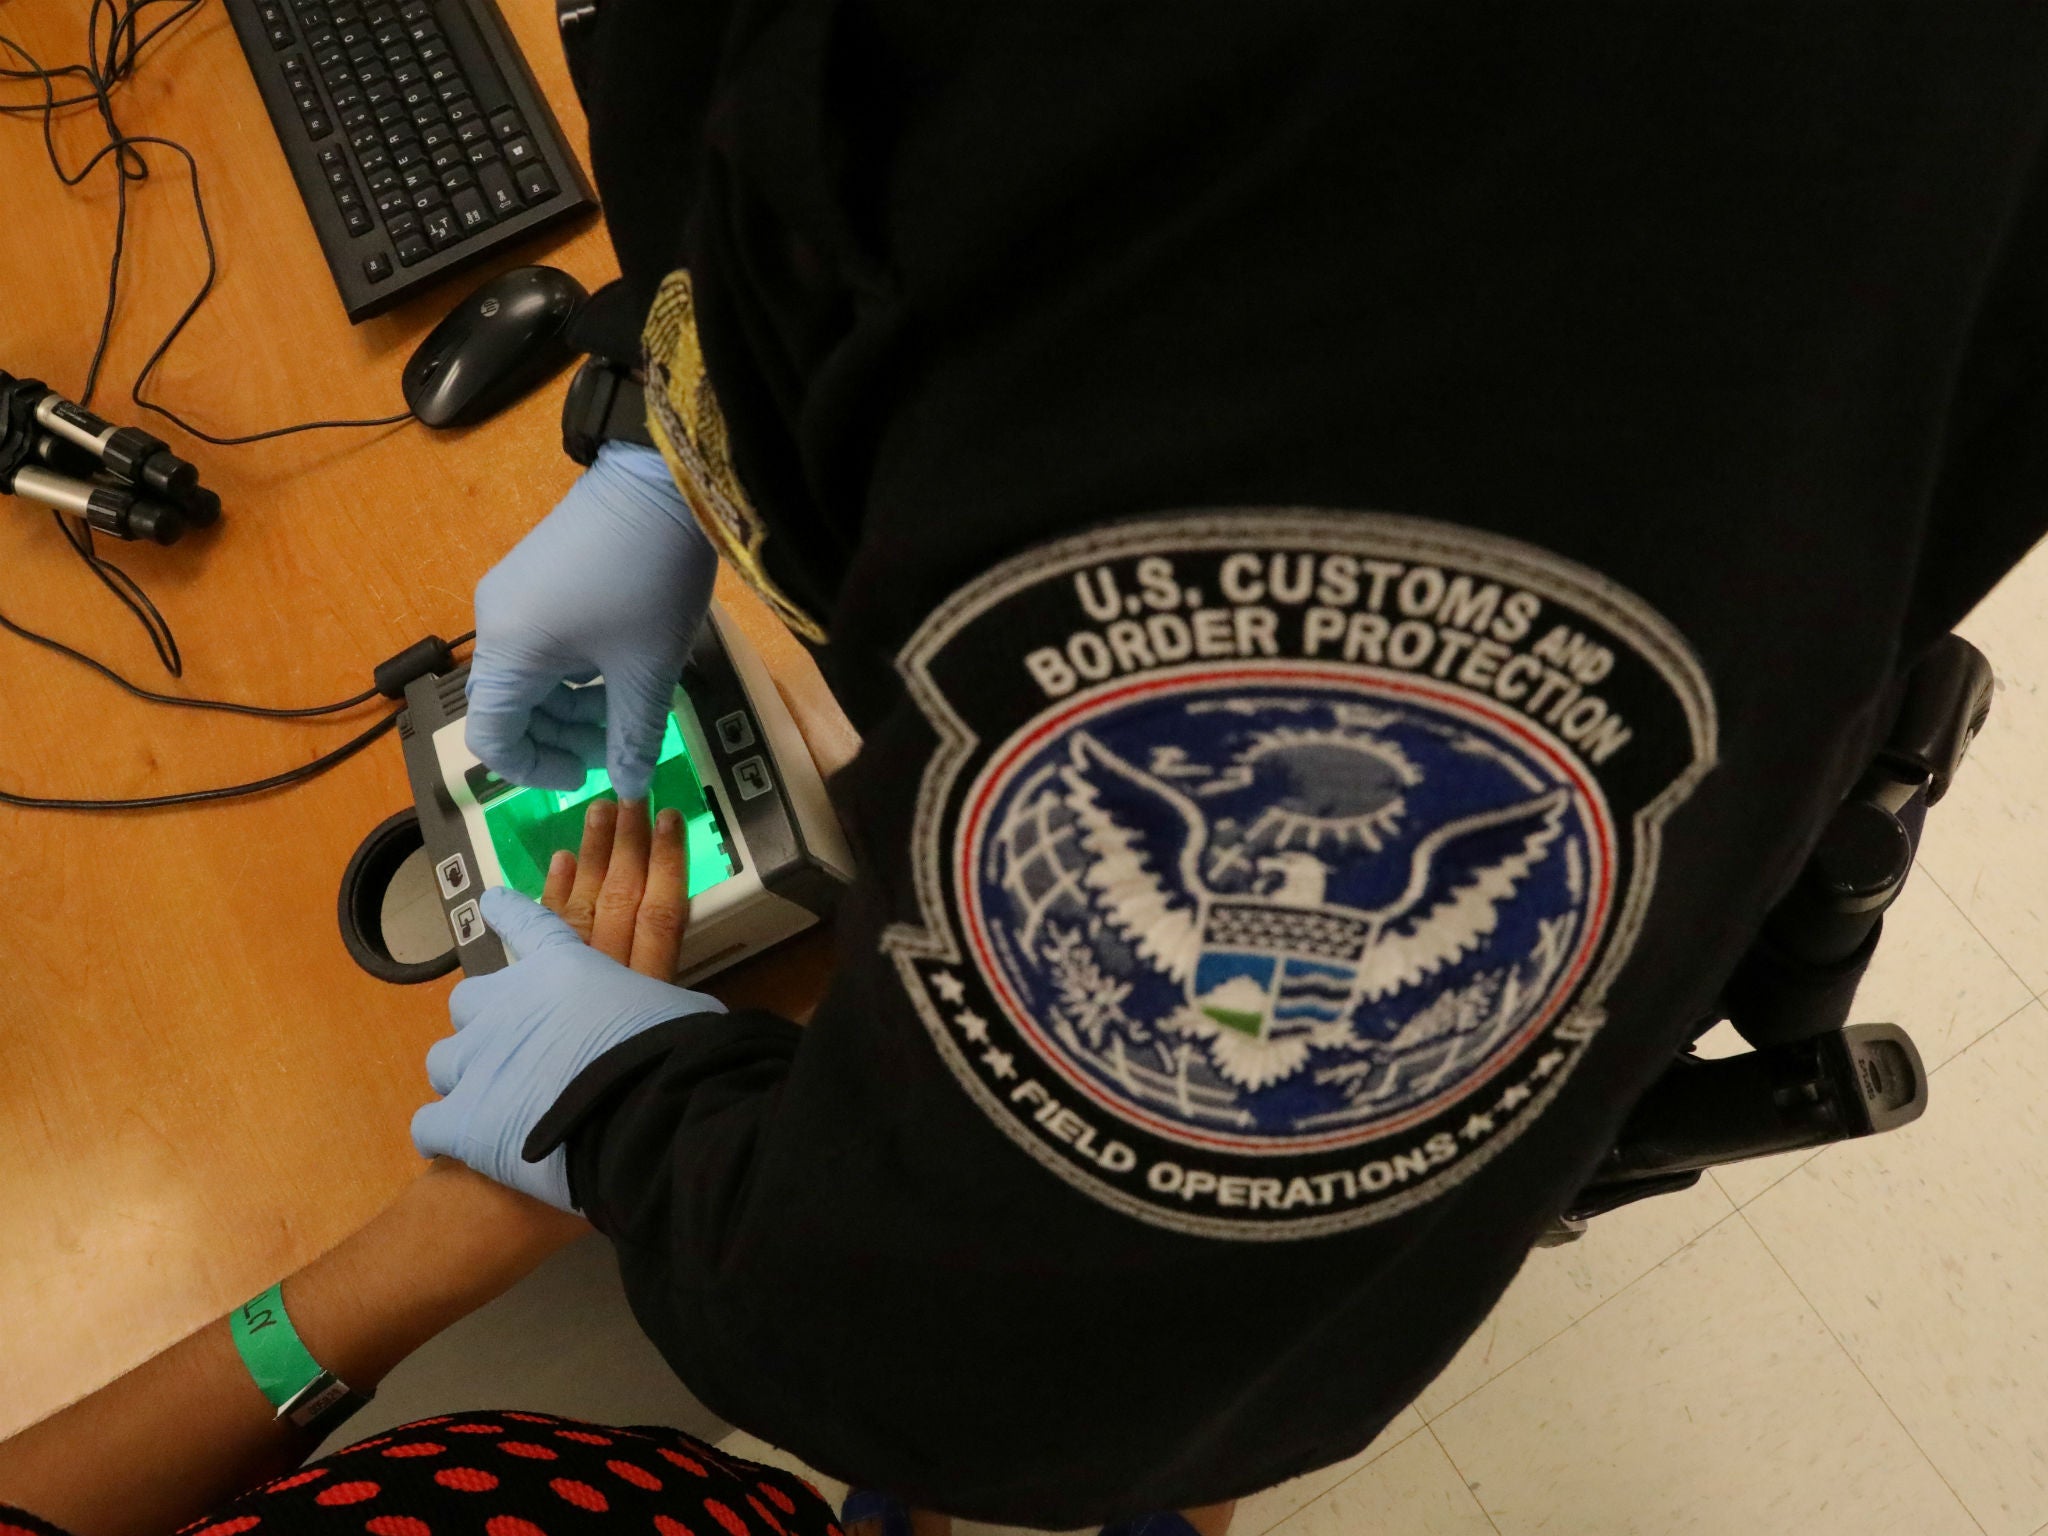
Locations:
{"points": [[271, 1349]]}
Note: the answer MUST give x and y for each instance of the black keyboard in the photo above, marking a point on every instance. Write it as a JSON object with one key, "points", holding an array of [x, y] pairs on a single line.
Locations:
{"points": [[418, 138]]}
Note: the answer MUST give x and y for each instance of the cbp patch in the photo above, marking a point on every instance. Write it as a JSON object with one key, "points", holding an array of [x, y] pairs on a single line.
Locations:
{"points": [[1273, 867]]}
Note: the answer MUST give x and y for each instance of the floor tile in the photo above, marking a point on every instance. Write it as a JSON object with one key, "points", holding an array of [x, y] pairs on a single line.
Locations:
{"points": [[1413, 1490], [1927, 1252], [1934, 974], [1261, 1512], [1987, 842], [1706, 1400], [1558, 1286]]}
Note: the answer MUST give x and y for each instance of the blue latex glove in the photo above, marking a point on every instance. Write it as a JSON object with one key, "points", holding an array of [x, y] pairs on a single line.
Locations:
{"points": [[521, 1036], [614, 581]]}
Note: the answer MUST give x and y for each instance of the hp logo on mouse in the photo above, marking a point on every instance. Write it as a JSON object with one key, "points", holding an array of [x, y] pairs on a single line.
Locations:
{"points": [[489, 308]]}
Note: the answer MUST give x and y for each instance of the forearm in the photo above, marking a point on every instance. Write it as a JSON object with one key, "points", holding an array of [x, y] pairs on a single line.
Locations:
{"points": [[188, 1429]]}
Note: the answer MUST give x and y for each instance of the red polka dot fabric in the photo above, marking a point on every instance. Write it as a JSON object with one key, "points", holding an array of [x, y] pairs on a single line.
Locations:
{"points": [[514, 1474]]}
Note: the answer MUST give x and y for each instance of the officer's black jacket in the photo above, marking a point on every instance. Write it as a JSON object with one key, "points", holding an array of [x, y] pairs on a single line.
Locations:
{"points": [[1716, 328]]}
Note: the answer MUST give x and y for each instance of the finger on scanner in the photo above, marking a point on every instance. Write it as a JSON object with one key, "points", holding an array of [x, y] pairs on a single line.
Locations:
{"points": [[554, 894]]}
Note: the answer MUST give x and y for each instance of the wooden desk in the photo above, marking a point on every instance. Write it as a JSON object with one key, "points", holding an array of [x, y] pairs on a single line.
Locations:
{"points": [[198, 1089]]}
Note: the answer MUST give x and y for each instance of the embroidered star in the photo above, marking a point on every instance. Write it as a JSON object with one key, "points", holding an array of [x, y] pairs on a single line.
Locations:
{"points": [[1516, 1096], [1476, 1127], [1548, 1063], [947, 985], [1001, 1063], [972, 1025]]}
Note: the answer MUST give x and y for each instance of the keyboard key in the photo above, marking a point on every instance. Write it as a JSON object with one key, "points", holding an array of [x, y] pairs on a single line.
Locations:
{"points": [[520, 152], [371, 161], [535, 184], [281, 37], [355, 118], [475, 131], [351, 34], [382, 181], [348, 99], [441, 71], [375, 69], [390, 114], [506, 124], [470, 211], [346, 196], [378, 15], [402, 223], [388, 34], [272, 15], [429, 113], [481, 151], [407, 74], [357, 219], [338, 176], [333, 56], [406, 156], [435, 52], [317, 126], [363, 140], [358, 54], [455, 179], [440, 227], [437, 136], [497, 186], [413, 177], [331, 157], [376, 266], [462, 110], [452, 90], [422, 32], [322, 39], [447, 157], [412, 250], [415, 10], [418, 95], [428, 198], [382, 91], [295, 67], [307, 101], [339, 77]]}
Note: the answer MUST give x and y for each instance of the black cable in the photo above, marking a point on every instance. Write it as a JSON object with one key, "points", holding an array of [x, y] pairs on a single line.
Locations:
{"points": [[127, 589], [107, 66], [102, 74], [284, 780], [225, 706]]}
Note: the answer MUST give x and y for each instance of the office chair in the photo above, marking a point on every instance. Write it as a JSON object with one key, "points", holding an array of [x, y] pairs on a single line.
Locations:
{"points": [[1811, 1078]]}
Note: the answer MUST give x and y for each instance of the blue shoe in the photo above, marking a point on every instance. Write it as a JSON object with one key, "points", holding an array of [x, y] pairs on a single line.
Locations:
{"points": [[867, 1504], [1168, 1523]]}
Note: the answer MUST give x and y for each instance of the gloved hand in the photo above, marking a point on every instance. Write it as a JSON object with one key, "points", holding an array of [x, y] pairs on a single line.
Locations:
{"points": [[521, 1036], [614, 581]]}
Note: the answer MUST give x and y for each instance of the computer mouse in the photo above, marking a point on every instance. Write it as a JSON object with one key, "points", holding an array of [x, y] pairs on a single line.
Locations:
{"points": [[496, 345]]}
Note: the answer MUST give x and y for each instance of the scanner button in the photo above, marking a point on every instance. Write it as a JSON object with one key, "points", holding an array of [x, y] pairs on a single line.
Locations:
{"points": [[467, 922], [453, 873], [735, 731], [750, 776]]}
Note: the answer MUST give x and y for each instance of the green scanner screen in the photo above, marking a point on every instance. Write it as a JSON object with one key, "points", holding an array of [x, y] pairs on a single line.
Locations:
{"points": [[528, 825]]}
